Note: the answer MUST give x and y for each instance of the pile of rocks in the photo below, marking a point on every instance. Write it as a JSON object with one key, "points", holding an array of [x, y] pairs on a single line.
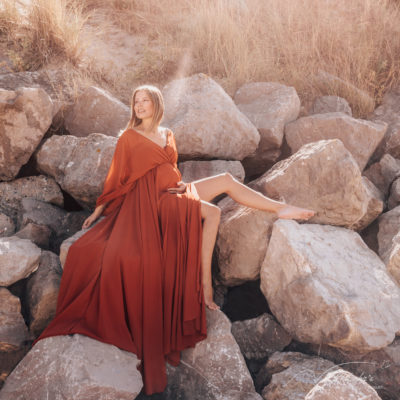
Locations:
{"points": [[330, 308]]}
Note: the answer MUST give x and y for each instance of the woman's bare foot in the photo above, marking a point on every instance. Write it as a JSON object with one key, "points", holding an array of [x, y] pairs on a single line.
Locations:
{"points": [[208, 297]]}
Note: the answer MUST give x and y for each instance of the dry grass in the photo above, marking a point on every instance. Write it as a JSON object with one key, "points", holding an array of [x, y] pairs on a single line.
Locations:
{"points": [[44, 30], [235, 41]]}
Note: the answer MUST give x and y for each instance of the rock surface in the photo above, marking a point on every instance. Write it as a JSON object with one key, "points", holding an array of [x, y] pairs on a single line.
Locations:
{"points": [[360, 137], [96, 111], [38, 234], [214, 369], [269, 106], [389, 112], [293, 375], [328, 104], [7, 227], [39, 187], [260, 337], [341, 385], [389, 227], [380, 368], [383, 173], [79, 165], [18, 259], [322, 176], [42, 291], [194, 170], [13, 331], [308, 279], [242, 241], [74, 368], [25, 116], [204, 129], [394, 197]]}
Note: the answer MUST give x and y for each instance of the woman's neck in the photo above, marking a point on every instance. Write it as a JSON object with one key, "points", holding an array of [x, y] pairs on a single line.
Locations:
{"points": [[145, 126]]}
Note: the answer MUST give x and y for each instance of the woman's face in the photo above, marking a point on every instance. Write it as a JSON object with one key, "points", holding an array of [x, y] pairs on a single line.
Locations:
{"points": [[144, 107]]}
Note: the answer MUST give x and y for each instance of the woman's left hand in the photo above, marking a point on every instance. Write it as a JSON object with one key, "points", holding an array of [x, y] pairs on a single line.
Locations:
{"points": [[180, 189]]}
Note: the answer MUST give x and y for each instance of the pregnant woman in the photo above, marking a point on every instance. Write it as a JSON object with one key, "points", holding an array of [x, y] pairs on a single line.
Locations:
{"points": [[140, 278]]}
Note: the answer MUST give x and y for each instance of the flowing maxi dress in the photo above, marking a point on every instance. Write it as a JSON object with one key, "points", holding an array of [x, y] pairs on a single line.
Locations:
{"points": [[134, 279]]}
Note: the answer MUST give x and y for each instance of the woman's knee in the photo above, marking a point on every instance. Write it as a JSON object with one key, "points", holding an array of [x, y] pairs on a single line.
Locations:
{"points": [[211, 212]]}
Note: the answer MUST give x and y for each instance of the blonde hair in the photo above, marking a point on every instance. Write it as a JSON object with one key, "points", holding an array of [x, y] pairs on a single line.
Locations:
{"points": [[158, 103]]}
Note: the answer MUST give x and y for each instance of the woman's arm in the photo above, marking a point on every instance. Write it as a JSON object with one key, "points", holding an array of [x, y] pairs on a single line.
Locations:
{"points": [[93, 217]]}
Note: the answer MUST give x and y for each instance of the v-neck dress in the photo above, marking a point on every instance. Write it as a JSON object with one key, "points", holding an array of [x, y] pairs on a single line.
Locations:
{"points": [[134, 279]]}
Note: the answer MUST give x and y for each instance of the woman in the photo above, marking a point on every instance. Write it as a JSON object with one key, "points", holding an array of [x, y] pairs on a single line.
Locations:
{"points": [[141, 278]]}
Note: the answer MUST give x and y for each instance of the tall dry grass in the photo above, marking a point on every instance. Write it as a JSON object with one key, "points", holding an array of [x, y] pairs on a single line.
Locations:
{"points": [[236, 41], [43, 29]]}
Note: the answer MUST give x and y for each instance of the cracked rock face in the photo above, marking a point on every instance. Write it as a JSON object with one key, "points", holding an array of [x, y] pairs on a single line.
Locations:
{"points": [[96, 111], [74, 368], [242, 242], [13, 330], [204, 129], [308, 279], [292, 375], [322, 176], [214, 369], [79, 165], [341, 384], [18, 259], [269, 106], [359, 136], [25, 116]]}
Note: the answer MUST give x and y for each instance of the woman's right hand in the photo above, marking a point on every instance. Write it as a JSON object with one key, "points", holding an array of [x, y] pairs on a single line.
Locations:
{"points": [[89, 221]]}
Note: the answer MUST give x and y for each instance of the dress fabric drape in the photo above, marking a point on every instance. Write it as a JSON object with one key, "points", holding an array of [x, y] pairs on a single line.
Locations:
{"points": [[134, 279]]}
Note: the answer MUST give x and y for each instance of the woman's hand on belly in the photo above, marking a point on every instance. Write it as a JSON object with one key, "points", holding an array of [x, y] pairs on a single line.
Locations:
{"points": [[181, 188]]}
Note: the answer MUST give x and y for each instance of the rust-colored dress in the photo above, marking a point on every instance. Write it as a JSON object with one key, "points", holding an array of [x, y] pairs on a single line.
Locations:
{"points": [[134, 279]]}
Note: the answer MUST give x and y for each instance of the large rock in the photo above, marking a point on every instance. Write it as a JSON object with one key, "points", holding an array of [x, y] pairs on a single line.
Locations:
{"points": [[269, 106], [360, 137], [328, 104], [293, 375], [341, 384], [260, 337], [74, 368], [62, 224], [214, 369], [96, 111], [39, 187], [380, 368], [18, 259], [194, 170], [322, 176], [308, 277], [13, 331], [242, 241], [25, 116], [389, 112], [392, 260], [204, 128], [383, 173], [79, 165], [42, 291]]}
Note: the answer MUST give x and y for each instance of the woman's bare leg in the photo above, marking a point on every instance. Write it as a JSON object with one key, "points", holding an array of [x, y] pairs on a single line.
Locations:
{"points": [[211, 215], [208, 188]]}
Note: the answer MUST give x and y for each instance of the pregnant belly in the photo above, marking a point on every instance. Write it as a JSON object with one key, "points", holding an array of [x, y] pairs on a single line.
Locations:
{"points": [[167, 176]]}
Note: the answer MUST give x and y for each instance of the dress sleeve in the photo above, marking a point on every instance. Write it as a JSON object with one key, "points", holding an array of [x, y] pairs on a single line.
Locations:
{"points": [[116, 176]]}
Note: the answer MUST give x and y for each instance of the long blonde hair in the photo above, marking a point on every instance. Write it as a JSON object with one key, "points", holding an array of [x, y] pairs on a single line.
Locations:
{"points": [[158, 103]]}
